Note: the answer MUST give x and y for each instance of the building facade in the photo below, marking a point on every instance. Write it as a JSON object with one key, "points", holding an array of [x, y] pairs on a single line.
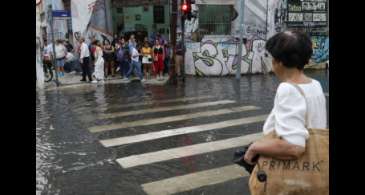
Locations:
{"points": [[211, 37]]}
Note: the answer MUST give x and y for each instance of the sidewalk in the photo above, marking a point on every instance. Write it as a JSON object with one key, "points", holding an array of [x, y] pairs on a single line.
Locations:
{"points": [[71, 80]]}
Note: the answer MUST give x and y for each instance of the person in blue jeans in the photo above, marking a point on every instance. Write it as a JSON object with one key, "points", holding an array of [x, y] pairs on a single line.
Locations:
{"points": [[122, 54], [135, 65]]}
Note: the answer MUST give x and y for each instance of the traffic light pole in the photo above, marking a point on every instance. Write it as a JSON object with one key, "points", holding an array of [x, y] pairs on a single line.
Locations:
{"points": [[53, 44], [173, 34], [183, 42]]}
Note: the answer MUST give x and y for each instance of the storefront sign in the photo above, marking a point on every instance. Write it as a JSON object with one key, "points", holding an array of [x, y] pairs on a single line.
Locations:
{"points": [[307, 13]]}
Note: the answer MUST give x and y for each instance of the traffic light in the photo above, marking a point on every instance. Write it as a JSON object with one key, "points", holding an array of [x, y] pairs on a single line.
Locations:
{"points": [[186, 9]]}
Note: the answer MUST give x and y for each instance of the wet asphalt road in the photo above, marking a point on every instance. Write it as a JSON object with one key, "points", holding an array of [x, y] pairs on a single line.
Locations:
{"points": [[71, 159]]}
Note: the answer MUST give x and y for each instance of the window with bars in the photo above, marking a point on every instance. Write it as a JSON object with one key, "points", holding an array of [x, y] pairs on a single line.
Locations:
{"points": [[215, 19], [158, 14]]}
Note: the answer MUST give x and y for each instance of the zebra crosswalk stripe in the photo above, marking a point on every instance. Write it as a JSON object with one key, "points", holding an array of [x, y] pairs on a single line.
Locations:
{"points": [[162, 109], [169, 154], [179, 131], [194, 180], [149, 102], [153, 121]]}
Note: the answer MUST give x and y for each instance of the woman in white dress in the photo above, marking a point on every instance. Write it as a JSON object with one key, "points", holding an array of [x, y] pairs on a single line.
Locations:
{"points": [[99, 62], [289, 52]]}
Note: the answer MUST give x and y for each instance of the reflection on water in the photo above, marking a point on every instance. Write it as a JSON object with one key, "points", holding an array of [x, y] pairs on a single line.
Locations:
{"points": [[44, 149], [100, 99], [64, 146]]}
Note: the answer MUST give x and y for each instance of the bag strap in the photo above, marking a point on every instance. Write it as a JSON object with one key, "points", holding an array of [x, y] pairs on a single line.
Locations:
{"points": [[306, 112]]}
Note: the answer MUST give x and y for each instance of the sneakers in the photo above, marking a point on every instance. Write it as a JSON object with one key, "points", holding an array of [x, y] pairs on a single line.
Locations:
{"points": [[126, 80], [143, 80], [94, 81], [117, 69]]}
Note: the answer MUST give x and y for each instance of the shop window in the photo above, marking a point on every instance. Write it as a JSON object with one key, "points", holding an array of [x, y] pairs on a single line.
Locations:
{"points": [[215, 19], [158, 14], [119, 10]]}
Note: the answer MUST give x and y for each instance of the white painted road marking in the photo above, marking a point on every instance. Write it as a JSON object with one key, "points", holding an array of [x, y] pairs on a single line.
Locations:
{"points": [[168, 154], [194, 180], [153, 121], [166, 108], [179, 131], [149, 102]]}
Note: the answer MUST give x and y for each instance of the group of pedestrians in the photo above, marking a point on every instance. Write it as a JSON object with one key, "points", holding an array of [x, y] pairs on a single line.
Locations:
{"points": [[62, 54], [147, 59], [127, 56]]}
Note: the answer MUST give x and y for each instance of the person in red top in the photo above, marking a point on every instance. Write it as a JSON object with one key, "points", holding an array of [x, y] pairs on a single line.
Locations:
{"points": [[158, 58]]}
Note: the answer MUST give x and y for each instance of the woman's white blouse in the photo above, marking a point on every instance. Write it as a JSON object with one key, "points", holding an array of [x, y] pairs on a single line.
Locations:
{"points": [[287, 117]]}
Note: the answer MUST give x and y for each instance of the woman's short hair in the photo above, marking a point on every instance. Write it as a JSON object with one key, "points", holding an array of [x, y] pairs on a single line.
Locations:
{"points": [[292, 48], [95, 42]]}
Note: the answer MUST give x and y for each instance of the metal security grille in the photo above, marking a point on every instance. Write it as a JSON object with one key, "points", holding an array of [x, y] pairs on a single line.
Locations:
{"points": [[215, 19]]}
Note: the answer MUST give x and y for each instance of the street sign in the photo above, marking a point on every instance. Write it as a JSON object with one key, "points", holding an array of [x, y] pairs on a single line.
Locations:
{"points": [[61, 13]]}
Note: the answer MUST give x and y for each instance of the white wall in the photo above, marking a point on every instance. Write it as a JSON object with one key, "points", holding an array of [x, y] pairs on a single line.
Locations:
{"points": [[39, 70]]}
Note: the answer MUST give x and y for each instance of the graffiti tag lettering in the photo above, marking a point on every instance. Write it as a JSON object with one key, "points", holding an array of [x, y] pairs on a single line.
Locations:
{"points": [[216, 57]]}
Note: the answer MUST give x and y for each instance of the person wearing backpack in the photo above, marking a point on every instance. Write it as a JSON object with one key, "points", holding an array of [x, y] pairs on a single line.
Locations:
{"points": [[122, 57], [135, 65]]}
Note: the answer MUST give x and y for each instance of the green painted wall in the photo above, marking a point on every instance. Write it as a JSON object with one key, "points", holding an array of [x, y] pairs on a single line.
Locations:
{"points": [[146, 19]]}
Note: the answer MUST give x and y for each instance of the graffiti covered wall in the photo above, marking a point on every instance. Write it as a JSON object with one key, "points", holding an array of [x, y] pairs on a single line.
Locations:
{"points": [[320, 49], [218, 57]]}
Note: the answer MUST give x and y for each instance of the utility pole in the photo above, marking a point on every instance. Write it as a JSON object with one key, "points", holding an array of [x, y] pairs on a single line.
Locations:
{"points": [[173, 31], [183, 42], [53, 43], [241, 12]]}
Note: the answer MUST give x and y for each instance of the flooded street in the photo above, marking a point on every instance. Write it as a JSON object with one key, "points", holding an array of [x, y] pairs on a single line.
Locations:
{"points": [[136, 139]]}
